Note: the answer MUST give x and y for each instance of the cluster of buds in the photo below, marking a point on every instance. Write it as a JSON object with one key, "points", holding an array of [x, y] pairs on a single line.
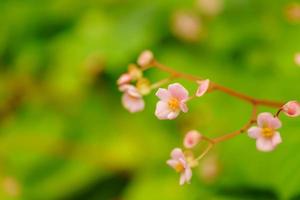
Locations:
{"points": [[134, 85], [173, 100]]}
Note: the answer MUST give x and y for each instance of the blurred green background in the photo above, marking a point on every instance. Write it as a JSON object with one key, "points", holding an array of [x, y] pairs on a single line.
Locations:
{"points": [[65, 135]]}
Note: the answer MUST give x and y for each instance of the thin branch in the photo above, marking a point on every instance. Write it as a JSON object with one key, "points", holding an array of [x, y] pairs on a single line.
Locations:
{"points": [[243, 129], [215, 86]]}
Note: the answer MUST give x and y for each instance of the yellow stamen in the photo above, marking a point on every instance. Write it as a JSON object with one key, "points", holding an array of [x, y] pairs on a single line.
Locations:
{"points": [[179, 168], [268, 132], [173, 104]]}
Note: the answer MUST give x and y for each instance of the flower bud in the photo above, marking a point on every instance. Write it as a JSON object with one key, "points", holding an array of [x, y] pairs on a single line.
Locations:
{"points": [[143, 86], [145, 58], [191, 139], [135, 72], [292, 109], [124, 79], [203, 87]]}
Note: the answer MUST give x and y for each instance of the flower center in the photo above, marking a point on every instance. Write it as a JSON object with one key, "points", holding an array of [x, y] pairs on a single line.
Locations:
{"points": [[179, 168], [173, 104], [267, 132]]}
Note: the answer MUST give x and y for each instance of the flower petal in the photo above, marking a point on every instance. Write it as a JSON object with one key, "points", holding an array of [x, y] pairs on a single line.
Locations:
{"points": [[254, 132], [163, 94], [182, 179], [268, 120], [124, 79], [131, 90], [177, 154], [172, 163], [132, 104], [265, 145], [125, 87], [183, 107], [178, 91], [173, 115], [203, 87], [185, 176], [276, 139], [275, 123], [188, 174], [162, 110]]}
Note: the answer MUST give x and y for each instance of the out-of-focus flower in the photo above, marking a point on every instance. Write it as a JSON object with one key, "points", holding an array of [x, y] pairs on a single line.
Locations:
{"points": [[186, 26], [297, 59], [179, 163], [210, 168], [267, 138], [132, 100], [292, 12], [191, 139], [203, 87], [172, 101], [210, 7], [145, 58], [292, 109], [11, 186]]}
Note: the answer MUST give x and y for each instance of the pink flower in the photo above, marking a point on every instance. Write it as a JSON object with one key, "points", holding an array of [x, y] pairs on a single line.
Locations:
{"points": [[145, 58], [172, 101], [203, 87], [124, 79], [191, 139], [292, 109], [267, 138], [180, 164], [132, 100]]}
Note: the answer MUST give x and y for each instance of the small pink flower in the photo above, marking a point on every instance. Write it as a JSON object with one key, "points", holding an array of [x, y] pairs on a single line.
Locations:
{"points": [[145, 58], [124, 79], [203, 87], [179, 162], [132, 100], [267, 138], [292, 109], [172, 101], [191, 139]]}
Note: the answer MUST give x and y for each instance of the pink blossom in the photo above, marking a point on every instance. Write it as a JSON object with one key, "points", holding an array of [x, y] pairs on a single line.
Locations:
{"points": [[203, 87], [267, 138], [145, 58], [124, 79], [191, 139], [179, 163], [132, 100], [172, 101], [292, 109]]}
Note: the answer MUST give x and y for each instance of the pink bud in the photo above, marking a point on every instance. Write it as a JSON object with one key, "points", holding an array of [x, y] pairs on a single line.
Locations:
{"points": [[145, 58], [191, 139], [203, 87], [124, 79], [292, 109]]}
